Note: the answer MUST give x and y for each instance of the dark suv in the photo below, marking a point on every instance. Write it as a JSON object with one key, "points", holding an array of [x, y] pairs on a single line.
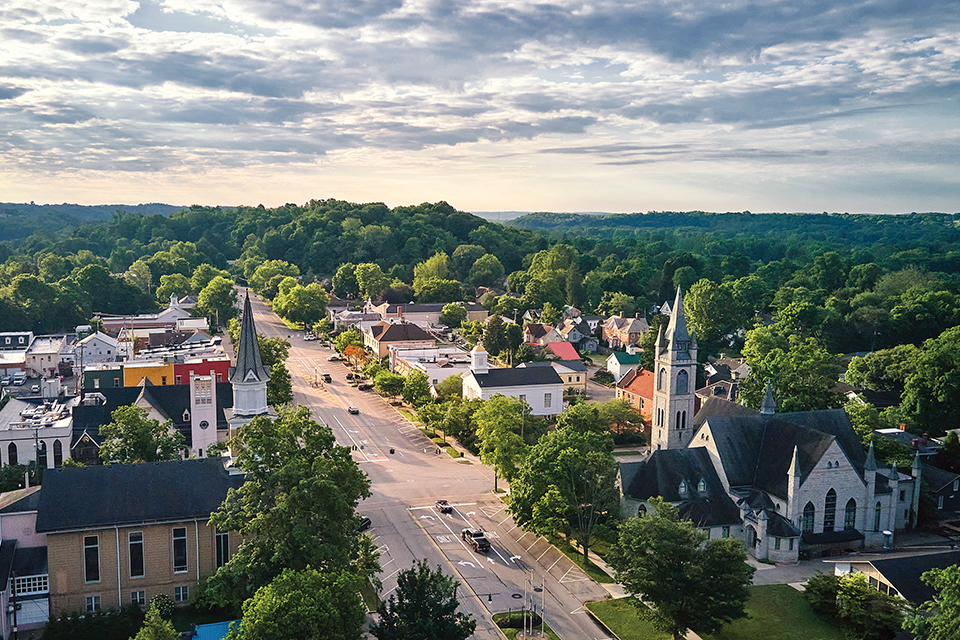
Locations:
{"points": [[476, 539]]}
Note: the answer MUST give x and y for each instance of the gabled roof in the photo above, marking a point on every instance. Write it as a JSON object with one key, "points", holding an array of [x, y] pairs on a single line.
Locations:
{"points": [[640, 383], [663, 474], [564, 349], [904, 573], [938, 478], [624, 358], [19, 500], [537, 330], [519, 377], [74, 498], [249, 365], [403, 332]]}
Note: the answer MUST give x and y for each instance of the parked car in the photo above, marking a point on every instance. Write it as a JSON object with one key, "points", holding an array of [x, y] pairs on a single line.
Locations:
{"points": [[366, 386], [353, 410], [333, 358], [364, 523], [5, 381], [349, 376], [35, 389], [309, 337], [444, 506], [327, 378], [476, 539]]}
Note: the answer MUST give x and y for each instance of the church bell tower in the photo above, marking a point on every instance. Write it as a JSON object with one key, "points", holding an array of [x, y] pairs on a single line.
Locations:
{"points": [[675, 380]]}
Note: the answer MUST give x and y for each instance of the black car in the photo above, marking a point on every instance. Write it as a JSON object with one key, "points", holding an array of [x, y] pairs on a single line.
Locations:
{"points": [[364, 523], [353, 410], [444, 506], [349, 376], [476, 539], [364, 386], [327, 378]]}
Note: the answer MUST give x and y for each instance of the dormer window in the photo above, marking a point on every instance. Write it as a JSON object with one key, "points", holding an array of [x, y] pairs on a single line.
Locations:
{"points": [[683, 488], [683, 345], [702, 486], [186, 415]]}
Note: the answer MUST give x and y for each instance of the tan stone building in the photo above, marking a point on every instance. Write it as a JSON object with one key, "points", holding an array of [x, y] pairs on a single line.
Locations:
{"points": [[123, 534]]}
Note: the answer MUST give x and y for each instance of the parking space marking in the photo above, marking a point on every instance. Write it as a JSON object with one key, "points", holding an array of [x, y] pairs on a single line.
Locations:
{"points": [[578, 575]]}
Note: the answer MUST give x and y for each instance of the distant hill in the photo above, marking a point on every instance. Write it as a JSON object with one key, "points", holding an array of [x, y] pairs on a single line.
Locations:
{"points": [[84, 212], [20, 220], [503, 216]]}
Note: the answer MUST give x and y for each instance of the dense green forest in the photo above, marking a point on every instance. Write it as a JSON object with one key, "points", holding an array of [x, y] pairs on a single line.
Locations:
{"points": [[790, 292]]}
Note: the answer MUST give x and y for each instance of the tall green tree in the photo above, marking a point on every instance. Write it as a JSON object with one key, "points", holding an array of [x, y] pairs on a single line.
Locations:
{"points": [[939, 619], [424, 607], [495, 336], [133, 436], [681, 580], [279, 386], [295, 509], [345, 280], [302, 305], [566, 484], [218, 299], [453, 315], [371, 280], [933, 389], [712, 313], [416, 388], [389, 383], [499, 427], [156, 628], [305, 604]]}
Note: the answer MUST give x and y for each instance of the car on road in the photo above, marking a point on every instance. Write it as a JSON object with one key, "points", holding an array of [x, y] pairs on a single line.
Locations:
{"points": [[364, 523], [476, 539], [444, 506], [353, 410], [333, 358], [5, 380], [309, 337], [365, 386], [35, 389], [349, 376], [327, 378]]}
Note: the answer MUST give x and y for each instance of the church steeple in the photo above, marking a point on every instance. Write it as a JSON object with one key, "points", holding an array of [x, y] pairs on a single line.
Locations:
{"points": [[769, 406], [249, 377], [674, 382]]}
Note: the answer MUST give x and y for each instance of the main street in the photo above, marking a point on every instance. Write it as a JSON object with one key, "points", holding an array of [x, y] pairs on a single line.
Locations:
{"points": [[408, 476]]}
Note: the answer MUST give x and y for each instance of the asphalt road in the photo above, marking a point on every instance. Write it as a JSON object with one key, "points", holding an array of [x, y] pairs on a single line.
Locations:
{"points": [[408, 477]]}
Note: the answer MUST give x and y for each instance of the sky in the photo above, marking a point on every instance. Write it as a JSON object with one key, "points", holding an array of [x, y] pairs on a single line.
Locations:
{"points": [[717, 105]]}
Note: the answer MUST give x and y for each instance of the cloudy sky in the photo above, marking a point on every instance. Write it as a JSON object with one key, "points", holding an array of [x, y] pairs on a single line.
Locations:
{"points": [[789, 105]]}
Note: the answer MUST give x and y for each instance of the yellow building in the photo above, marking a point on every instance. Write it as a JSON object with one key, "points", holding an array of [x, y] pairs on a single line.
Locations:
{"points": [[158, 373]]}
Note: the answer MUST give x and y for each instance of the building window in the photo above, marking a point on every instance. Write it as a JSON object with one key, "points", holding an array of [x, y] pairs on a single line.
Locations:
{"points": [[12, 453], [180, 549], [725, 532], [136, 554], [31, 585], [42, 455], [683, 488], [660, 376], [956, 485], [939, 502], [178, 379], [791, 544], [116, 382], [223, 548], [181, 594], [806, 524], [163, 380], [96, 383], [57, 454], [702, 485], [547, 400], [683, 382], [776, 544], [92, 604], [219, 377], [830, 511], [138, 598], [876, 517], [91, 559], [850, 515], [903, 495], [8, 340]]}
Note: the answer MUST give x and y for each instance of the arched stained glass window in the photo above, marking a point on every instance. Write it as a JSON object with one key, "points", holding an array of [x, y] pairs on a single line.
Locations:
{"points": [[809, 511], [683, 382], [850, 515], [830, 511]]}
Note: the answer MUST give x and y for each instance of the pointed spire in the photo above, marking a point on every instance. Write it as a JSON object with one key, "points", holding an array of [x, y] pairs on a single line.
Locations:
{"points": [[249, 364], [894, 474], [871, 463], [794, 470], [916, 461], [677, 329], [769, 406]]}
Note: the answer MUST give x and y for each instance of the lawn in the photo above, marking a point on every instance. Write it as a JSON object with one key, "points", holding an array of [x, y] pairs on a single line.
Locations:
{"points": [[596, 573], [774, 612]]}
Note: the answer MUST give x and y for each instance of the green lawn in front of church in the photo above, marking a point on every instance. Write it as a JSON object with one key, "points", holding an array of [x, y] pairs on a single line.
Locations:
{"points": [[774, 612]]}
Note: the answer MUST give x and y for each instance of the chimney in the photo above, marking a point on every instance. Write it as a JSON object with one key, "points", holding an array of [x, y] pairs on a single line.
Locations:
{"points": [[903, 426], [621, 313]]}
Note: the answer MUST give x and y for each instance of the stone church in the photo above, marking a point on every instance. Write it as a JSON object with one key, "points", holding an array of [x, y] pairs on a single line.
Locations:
{"points": [[789, 485]]}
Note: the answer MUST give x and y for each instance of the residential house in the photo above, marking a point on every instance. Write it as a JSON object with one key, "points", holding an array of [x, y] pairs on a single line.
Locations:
{"points": [[593, 322], [901, 576], [540, 387], [23, 565], [620, 362], [532, 315], [621, 332], [577, 332], [801, 480], [563, 350], [573, 373], [379, 337], [570, 311], [99, 348], [540, 334], [945, 486], [46, 353], [636, 387], [724, 376], [424, 315], [125, 533], [15, 340]]}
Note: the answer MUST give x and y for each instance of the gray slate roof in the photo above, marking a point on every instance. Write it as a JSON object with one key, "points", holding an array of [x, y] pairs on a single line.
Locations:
{"points": [[904, 573], [937, 478], [520, 377], [248, 351], [104, 496], [662, 474]]}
